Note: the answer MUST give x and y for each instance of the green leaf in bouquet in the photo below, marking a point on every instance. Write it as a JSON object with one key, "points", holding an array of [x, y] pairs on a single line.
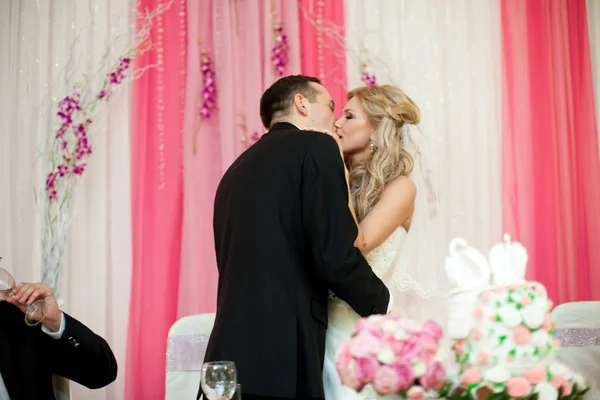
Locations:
{"points": [[502, 395], [498, 318], [502, 338], [443, 392], [533, 396], [512, 353], [519, 306]]}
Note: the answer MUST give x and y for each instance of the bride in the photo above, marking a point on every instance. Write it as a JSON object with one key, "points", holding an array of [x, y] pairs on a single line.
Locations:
{"points": [[394, 205]]}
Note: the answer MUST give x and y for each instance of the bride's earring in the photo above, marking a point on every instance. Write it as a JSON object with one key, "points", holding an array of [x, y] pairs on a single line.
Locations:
{"points": [[371, 146]]}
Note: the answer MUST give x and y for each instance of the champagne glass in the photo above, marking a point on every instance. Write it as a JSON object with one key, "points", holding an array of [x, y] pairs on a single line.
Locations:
{"points": [[219, 380], [35, 312]]}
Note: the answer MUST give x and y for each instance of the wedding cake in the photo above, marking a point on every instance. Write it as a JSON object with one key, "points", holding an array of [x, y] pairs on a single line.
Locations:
{"points": [[501, 326]]}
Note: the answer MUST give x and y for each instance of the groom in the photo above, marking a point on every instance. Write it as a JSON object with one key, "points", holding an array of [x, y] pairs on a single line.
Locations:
{"points": [[283, 236]]}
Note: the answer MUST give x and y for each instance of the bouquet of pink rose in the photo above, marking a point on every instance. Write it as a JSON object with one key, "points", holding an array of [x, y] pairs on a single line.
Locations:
{"points": [[395, 356]]}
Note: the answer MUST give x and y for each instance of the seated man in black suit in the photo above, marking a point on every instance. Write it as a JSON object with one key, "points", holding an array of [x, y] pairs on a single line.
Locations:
{"points": [[60, 345]]}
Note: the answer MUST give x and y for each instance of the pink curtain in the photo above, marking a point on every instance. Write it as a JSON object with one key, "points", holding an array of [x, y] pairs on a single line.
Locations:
{"points": [[158, 101], [238, 37], [322, 45], [550, 160], [201, 174]]}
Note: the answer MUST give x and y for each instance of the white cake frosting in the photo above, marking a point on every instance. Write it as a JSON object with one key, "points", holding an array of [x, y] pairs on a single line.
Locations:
{"points": [[501, 323]]}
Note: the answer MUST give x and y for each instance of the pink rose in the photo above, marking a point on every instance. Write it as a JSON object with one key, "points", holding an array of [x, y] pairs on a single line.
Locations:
{"points": [[567, 389], [459, 346], [547, 324], [535, 375], [558, 381], [478, 313], [470, 377], [433, 329], [409, 348], [476, 334], [365, 369], [364, 345], [434, 377], [343, 356], [429, 343], [387, 380], [484, 357], [348, 376], [415, 393], [485, 296], [518, 387], [405, 374], [525, 300], [521, 334]]}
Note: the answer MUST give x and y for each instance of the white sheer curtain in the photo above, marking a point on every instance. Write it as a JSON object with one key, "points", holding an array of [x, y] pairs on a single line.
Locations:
{"points": [[593, 12], [446, 55], [38, 40]]}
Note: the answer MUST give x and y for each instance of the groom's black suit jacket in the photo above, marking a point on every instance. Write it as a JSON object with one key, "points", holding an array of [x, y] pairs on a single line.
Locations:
{"points": [[284, 235]]}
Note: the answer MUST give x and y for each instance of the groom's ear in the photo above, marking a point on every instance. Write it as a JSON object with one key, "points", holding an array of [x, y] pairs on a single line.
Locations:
{"points": [[301, 104]]}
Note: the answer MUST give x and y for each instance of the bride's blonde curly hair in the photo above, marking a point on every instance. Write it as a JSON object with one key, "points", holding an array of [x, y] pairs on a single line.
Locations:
{"points": [[387, 108]]}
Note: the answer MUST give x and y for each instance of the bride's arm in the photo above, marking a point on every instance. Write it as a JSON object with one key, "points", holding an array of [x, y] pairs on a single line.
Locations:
{"points": [[393, 209]]}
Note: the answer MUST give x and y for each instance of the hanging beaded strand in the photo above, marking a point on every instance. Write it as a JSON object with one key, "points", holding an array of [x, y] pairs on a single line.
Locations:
{"points": [[320, 53], [182, 71], [160, 106]]}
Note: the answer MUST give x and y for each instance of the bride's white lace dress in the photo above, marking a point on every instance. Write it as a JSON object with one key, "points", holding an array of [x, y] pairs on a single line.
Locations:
{"points": [[342, 318]]}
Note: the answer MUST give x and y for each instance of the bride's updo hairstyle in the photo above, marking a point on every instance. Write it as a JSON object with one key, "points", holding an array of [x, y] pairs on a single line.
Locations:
{"points": [[388, 108]]}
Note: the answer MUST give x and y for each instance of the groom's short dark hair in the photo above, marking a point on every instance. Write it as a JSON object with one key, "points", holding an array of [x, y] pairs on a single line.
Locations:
{"points": [[277, 100]]}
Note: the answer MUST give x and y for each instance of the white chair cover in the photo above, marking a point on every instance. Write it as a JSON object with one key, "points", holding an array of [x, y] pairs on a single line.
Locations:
{"points": [[186, 346], [578, 330]]}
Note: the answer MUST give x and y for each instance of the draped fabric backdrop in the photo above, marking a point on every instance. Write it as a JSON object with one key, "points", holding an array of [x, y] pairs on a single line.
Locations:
{"points": [[157, 200], [593, 12], [46, 47], [238, 37], [446, 57], [551, 163], [322, 45]]}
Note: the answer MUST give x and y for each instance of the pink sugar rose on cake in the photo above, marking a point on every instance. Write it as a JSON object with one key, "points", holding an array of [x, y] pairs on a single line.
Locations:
{"points": [[535, 375], [525, 299], [547, 324], [485, 296], [470, 377], [518, 387], [521, 334], [484, 357]]}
